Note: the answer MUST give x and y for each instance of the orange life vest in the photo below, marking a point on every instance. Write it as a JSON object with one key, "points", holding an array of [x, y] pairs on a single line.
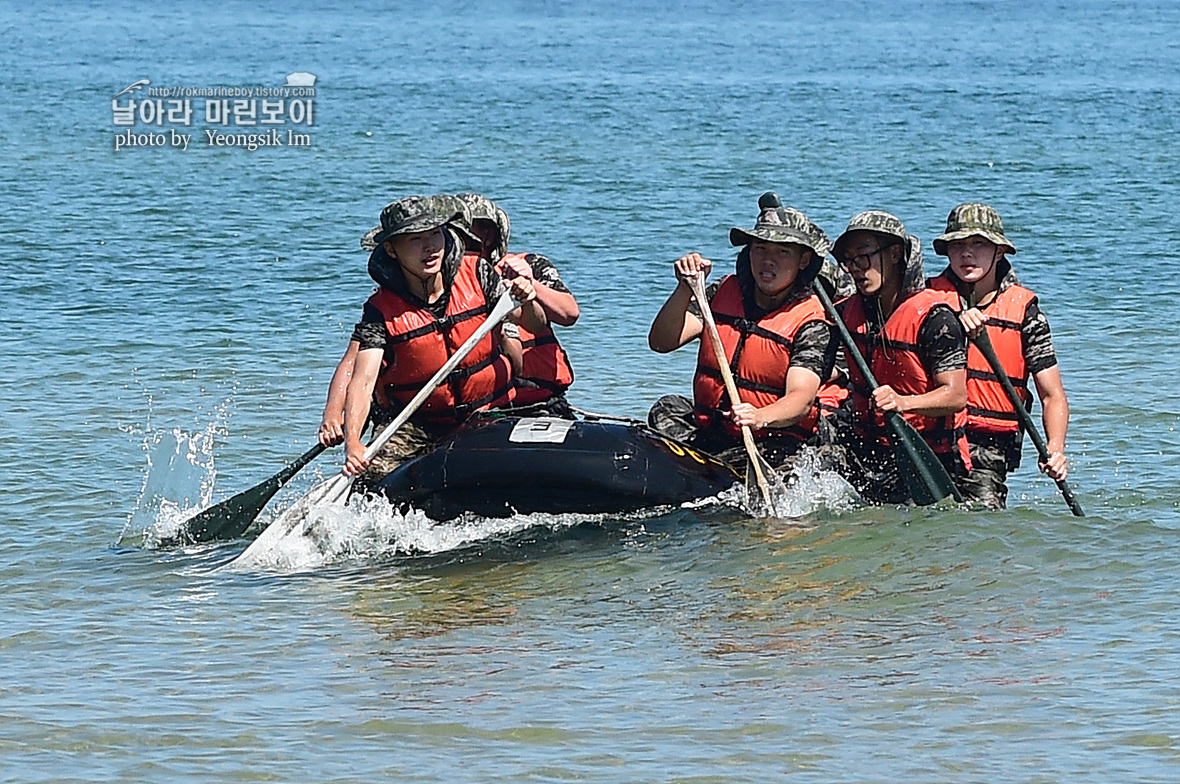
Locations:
{"points": [[759, 354], [543, 361], [895, 362], [419, 344], [832, 394], [988, 407]]}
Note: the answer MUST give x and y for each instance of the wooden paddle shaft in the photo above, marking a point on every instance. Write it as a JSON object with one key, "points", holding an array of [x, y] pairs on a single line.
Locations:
{"points": [[697, 285]]}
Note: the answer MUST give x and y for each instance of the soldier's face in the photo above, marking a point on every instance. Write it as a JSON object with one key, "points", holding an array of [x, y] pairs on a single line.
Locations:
{"points": [[973, 258], [420, 254], [775, 265], [489, 238], [865, 256]]}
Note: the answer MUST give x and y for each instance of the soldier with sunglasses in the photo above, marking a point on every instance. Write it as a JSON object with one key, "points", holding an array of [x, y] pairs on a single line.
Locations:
{"points": [[916, 347]]}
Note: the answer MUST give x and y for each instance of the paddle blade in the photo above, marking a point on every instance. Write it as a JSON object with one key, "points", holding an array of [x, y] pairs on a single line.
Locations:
{"points": [[759, 493], [267, 549], [925, 476], [229, 518]]}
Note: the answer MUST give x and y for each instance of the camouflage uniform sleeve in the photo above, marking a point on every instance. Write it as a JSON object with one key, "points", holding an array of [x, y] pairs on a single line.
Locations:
{"points": [[815, 348], [1037, 341], [545, 272], [491, 282], [710, 291], [371, 331], [942, 342]]}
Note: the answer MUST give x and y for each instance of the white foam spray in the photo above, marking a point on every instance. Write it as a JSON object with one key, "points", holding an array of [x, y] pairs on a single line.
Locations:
{"points": [[178, 483]]}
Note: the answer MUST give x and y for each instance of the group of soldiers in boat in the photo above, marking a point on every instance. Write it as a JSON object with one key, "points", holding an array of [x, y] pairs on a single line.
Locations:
{"points": [[441, 262]]}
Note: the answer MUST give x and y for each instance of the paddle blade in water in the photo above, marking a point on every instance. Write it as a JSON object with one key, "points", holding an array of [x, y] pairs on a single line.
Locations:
{"points": [[925, 476], [760, 494], [228, 519], [294, 521]]}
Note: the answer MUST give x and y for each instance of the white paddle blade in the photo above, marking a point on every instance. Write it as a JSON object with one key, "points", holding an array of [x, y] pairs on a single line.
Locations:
{"points": [[291, 525]]}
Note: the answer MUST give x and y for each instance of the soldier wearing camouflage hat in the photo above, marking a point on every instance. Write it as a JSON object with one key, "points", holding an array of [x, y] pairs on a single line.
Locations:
{"points": [[542, 368], [431, 296], [915, 346], [982, 280], [772, 327]]}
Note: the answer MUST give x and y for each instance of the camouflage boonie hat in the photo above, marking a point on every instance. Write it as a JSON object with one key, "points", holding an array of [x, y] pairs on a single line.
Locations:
{"points": [[876, 221], [969, 220], [784, 225], [413, 214], [480, 207]]}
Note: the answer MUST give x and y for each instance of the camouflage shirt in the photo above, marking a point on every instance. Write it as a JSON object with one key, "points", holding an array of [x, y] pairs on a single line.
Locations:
{"points": [[942, 342], [544, 272], [1037, 340]]}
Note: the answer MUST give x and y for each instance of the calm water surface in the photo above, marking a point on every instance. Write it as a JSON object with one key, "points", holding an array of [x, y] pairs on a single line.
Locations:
{"points": [[171, 319]]}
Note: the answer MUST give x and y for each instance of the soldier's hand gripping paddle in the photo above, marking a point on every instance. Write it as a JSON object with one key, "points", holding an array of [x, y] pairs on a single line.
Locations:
{"points": [[294, 520]]}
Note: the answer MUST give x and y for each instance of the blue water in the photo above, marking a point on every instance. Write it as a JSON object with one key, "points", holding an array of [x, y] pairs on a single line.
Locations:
{"points": [[170, 320]]}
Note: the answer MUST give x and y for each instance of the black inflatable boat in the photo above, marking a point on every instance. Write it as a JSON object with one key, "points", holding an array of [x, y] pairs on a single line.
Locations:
{"points": [[496, 466]]}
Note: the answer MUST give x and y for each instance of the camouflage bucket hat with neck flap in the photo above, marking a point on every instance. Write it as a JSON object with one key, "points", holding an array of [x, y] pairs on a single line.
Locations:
{"points": [[414, 214], [876, 221], [480, 207], [973, 219], [777, 223]]}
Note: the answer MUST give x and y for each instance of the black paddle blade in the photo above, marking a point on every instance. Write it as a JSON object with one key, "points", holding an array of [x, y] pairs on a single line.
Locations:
{"points": [[229, 518], [924, 475]]}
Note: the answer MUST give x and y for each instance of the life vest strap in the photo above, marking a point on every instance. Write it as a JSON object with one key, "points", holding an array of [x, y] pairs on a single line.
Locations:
{"points": [[742, 383], [748, 327], [544, 340], [438, 325], [455, 375], [1007, 416], [1003, 324], [985, 375], [463, 410]]}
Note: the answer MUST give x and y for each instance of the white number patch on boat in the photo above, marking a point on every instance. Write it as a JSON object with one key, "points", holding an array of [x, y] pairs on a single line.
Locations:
{"points": [[541, 430]]}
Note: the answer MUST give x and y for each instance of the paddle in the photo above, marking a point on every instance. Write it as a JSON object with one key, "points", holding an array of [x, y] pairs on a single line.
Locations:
{"points": [[335, 490], [697, 284], [984, 344], [925, 476], [229, 518]]}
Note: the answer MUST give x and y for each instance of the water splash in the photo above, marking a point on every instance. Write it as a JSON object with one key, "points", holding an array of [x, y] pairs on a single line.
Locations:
{"points": [[371, 528], [810, 486], [178, 483]]}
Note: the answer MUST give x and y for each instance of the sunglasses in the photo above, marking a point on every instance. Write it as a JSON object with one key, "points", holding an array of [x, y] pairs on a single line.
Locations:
{"points": [[862, 261]]}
